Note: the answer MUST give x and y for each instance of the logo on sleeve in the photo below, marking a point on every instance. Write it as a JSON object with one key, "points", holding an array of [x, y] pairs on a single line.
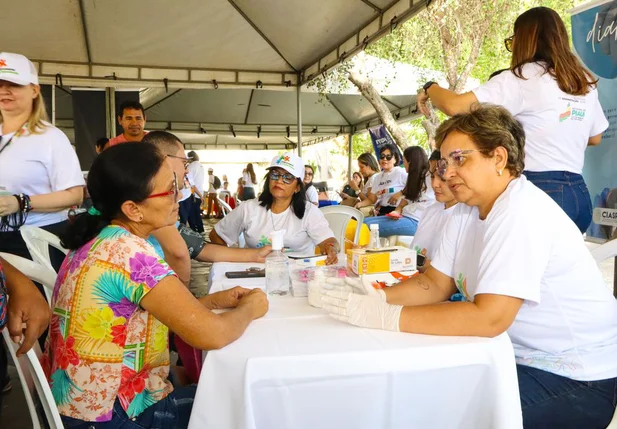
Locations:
{"points": [[572, 113], [461, 284]]}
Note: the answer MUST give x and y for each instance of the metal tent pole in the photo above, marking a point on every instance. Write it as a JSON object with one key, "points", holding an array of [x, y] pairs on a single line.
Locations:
{"points": [[349, 160], [53, 105], [299, 113]]}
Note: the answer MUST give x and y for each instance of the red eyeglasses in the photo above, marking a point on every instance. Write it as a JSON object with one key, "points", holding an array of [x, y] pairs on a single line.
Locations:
{"points": [[173, 192]]}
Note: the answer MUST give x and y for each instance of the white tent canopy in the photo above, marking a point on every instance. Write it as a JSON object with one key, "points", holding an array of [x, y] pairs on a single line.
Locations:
{"points": [[195, 43]]}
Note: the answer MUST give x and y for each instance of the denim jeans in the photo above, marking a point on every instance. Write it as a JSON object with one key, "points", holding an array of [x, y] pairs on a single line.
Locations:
{"points": [[569, 191], [173, 412], [389, 226], [551, 401]]}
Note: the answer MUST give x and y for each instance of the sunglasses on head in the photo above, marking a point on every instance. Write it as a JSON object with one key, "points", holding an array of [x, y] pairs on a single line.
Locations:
{"points": [[287, 177], [173, 191], [386, 157]]}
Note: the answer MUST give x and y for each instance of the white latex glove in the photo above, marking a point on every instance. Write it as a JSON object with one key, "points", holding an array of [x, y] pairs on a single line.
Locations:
{"points": [[367, 311], [362, 286], [317, 287]]}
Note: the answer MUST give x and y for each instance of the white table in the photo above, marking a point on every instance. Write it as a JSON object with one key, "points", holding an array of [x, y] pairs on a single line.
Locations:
{"points": [[298, 368]]}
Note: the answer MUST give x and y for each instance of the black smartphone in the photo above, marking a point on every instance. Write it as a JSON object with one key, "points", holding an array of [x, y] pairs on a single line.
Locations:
{"points": [[420, 260], [244, 274]]}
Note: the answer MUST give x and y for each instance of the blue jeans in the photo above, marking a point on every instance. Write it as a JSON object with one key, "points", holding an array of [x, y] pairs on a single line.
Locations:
{"points": [[551, 401], [389, 226], [569, 191], [173, 412]]}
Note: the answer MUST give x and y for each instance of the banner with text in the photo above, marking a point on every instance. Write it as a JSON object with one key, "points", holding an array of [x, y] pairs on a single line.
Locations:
{"points": [[381, 137], [594, 36]]}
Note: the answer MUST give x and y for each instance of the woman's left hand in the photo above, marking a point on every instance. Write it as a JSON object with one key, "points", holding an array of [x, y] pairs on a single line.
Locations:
{"points": [[421, 100], [8, 205]]}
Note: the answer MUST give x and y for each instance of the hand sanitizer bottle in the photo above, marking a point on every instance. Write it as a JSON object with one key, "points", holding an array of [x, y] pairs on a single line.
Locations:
{"points": [[374, 243], [277, 267]]}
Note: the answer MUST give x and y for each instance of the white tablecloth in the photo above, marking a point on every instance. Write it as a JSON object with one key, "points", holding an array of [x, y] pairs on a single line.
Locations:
{"points": [[298, 368]]}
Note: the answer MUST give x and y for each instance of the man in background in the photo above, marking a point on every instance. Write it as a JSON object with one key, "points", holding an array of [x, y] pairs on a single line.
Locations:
{"points": [[212, 200], [132, 119], [196, 180]]}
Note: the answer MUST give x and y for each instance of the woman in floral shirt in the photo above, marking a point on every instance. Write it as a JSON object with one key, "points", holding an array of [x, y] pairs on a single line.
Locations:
{"points": [[107, 354]]}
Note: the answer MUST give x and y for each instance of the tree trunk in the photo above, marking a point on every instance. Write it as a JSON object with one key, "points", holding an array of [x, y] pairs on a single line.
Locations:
{"points": [[430, 125], [368, 90]]}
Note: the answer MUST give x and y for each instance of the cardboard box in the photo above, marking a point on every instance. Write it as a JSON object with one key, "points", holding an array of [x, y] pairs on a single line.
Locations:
{"points": [[391, 259]]}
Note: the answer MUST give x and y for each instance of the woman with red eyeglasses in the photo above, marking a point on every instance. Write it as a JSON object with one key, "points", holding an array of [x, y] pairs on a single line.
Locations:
{"points": [[107, 353], [553, 96]]}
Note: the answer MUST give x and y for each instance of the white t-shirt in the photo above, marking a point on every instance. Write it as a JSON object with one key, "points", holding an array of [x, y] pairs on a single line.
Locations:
{"points": [[368, 186], [557, 125], [415, 209], [196, 176], [248, 183], [427, 239], [311, 195], [38, 164], [387, 184], [257, 224], [528, 248]]}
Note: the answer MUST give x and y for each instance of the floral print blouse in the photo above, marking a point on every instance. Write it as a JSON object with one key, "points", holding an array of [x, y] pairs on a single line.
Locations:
{"points": [[102, 345]]}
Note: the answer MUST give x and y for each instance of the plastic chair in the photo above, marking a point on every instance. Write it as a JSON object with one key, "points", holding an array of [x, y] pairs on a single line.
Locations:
{"points": [[225, 208], [34, 384], [36, 272], [338, 217], [38, 241], [605, 251]]}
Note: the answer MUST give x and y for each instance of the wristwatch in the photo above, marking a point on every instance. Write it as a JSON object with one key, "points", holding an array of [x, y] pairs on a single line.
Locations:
{"points": [[427, 85]]}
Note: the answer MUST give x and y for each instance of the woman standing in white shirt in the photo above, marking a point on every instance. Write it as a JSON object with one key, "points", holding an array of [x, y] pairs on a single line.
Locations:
{"points": [[282, 205], [522, 266], [249, 180], [391, 180], [554, 97], [40, 176]]}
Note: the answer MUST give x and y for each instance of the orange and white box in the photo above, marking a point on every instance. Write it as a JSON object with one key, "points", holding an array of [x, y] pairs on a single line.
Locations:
{"points": [[363, 261]]}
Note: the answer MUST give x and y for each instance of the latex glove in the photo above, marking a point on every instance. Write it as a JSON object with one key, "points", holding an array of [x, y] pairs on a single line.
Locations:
{"points": [[362, 286], [367, 311]]}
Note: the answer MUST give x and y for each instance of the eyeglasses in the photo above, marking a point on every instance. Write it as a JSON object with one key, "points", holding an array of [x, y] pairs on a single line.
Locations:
{"points": [[173, 191], [435, 172], [457, 159], [186, 162], [508, 42], [308, 173], [386, 157], [287, 178]]}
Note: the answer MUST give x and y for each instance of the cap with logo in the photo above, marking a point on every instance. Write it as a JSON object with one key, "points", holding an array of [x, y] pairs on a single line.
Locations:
{"points": [[17, 69], [289, 162]]}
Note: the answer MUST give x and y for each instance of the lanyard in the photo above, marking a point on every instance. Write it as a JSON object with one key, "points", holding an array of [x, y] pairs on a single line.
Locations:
{"points": [[17, 134]]}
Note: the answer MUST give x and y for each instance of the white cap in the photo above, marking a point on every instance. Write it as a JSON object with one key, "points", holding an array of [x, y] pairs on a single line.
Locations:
{"points": [[374, 227], [289, 162], [17, 69], [277, 239]]}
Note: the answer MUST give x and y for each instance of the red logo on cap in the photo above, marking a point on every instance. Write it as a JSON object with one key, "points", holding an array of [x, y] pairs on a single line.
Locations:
{"points": [[2, 63]]}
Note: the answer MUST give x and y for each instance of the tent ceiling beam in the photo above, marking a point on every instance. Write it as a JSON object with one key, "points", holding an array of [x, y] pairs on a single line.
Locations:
{"points": [[371, 5], [263, 36], [337, 109], [391, 102], [248, 107], [84, 28], [167, 97], [394, 14]]}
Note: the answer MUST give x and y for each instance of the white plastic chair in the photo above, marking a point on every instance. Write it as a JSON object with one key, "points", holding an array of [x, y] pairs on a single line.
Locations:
{"points": [[605, 251], [38, 241], [225, 208], [36, 272], [34, 384], [338, 217]]}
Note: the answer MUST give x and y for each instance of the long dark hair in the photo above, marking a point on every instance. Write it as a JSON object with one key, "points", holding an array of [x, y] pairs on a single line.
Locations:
{"points": [[540, 36], [298, 200], [251, 172], [119, 174], [418, 169]]}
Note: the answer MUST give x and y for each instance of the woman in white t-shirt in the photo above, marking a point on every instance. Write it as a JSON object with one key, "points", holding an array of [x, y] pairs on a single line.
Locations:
{"points": [[40, 175], [414, 198], [249, 180], [391, 180], [311, 192], [427, 238], [522, 266], [282, 205], [554, 97]]}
